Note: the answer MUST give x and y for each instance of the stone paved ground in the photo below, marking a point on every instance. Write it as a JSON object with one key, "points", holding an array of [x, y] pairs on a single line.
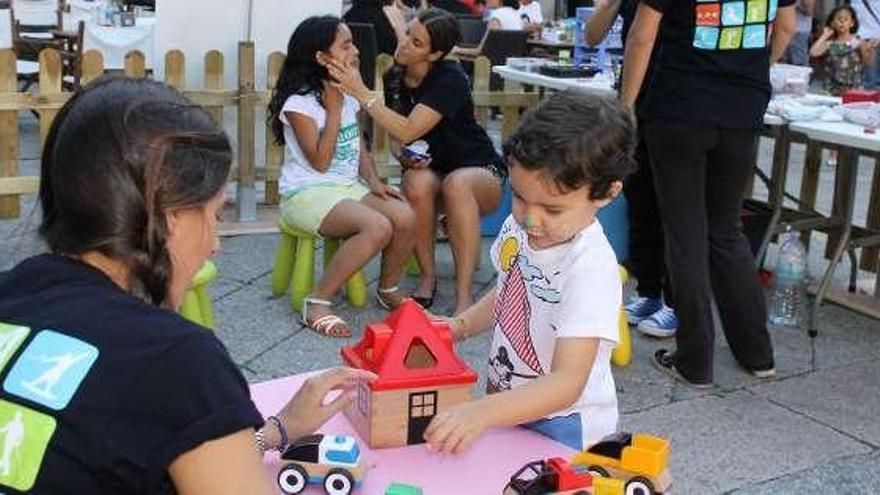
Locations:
{"points": [[810, 430]]}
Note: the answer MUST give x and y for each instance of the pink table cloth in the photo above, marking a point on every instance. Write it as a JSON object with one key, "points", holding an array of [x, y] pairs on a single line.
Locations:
{"points": [[483, 470]]}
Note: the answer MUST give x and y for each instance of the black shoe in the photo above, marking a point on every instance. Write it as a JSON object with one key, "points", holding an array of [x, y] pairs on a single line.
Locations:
{"points": [[664, 360], [425, 302]]}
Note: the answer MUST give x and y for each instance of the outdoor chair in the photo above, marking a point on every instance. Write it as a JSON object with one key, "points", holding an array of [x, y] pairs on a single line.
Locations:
{"points": [[501, 44], [473, 29], [196, 305], [295, 267]]}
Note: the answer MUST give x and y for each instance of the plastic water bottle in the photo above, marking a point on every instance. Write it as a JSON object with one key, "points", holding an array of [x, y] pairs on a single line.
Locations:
{"points": [[789, 285]]}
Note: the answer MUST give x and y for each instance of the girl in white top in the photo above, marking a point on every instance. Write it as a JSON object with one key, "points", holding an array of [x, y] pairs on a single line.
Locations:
{"points": [[504, 14], [328, 181]]}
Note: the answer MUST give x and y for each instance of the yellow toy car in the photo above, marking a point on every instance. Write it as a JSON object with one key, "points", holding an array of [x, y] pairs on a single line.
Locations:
{"points": [[640, 460]]}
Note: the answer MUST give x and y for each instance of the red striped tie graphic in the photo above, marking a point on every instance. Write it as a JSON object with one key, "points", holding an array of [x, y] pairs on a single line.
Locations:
{"points": [[512, 315]]}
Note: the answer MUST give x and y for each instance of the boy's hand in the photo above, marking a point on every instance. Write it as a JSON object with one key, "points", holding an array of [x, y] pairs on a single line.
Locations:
{"points": [[453, 431]]}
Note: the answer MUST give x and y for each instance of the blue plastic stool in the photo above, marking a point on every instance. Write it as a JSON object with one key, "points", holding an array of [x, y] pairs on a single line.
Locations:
{"points": [[491, 223], [615, 222]]}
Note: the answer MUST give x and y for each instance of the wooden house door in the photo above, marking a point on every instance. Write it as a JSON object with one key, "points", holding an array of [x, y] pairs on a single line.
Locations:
{"points": [[422, 409]]}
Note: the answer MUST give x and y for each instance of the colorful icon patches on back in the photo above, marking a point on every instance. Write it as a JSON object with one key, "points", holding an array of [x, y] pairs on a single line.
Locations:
{"points": [[11, 337], [51, 369], [24, 437]]}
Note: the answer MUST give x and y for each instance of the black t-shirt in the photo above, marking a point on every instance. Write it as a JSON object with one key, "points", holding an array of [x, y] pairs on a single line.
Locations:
{"points": [[451, 6], [458, 140], [101, 392], [372, 13], [713, 67]]}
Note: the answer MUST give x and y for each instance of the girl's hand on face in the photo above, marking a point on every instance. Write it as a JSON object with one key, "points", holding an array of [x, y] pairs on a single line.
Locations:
{"points": [[453, 431], [827, 32], [308, 409]]}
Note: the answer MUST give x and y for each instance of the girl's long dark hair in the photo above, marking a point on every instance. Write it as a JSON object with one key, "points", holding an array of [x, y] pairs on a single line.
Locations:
{"points": [[852, 13], [119, 155], [301, 73], [443, 30]]}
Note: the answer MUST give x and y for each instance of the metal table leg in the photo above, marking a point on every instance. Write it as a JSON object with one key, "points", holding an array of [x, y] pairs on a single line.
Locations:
{"points": [[776, 198]]}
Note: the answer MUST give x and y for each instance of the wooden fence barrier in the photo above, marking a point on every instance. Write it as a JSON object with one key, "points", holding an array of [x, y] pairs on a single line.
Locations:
{"points": [[215, 98]]}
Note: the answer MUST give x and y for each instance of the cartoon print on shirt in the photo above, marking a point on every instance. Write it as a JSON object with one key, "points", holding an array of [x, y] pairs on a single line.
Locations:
{"points": [[745, 24]]}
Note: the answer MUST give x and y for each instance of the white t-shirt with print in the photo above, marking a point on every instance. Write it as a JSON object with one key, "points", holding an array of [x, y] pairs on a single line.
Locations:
{"points": [[297, 171], [569, 290], [533, 11], [508, 17]]}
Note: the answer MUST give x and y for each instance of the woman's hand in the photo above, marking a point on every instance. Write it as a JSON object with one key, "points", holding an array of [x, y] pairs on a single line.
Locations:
{"points": [[384, 191], [307, 410], [453, 431], [348, 79]]}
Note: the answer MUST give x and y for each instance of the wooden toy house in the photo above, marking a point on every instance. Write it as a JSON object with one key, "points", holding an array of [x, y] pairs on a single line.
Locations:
{"points": [[419, 373]]}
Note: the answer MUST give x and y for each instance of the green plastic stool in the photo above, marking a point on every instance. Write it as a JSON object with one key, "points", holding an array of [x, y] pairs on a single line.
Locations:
{"points": [[196, 305], [411, 266], [295, 267]]}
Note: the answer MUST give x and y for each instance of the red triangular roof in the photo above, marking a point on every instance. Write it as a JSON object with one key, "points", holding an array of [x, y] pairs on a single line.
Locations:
{"points": [[385, 345]]}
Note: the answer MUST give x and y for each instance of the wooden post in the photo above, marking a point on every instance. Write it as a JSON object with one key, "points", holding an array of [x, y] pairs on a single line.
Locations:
{"points": [[381, 145], [135, 64], [175, 69], [482, 76], [246, 200], [92, 66], [50, 84], [869, 255], [842, 176], [214, 80], [10, 206], [274, 151]]}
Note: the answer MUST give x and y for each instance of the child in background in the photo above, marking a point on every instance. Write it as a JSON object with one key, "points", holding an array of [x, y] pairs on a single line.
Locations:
{"points": [[845, 55], [328, 181], [554, 311]]}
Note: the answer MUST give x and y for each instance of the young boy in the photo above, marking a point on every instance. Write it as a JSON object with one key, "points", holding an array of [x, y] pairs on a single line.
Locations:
{"points": [[554, 311]]}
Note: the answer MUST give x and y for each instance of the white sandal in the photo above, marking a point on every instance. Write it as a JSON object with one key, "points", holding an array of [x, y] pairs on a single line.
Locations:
{"points": [[380, 299], [326, 324]]}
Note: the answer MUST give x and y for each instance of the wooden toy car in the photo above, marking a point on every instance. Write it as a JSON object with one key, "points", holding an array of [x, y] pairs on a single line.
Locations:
{"points": [[557, 476], [332, 460], [640, 460]]}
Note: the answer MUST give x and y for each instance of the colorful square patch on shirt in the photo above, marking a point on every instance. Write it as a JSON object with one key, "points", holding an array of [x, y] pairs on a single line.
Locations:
{"points": [[51, 369], [706, 38], [709, 14], [756, 11], [733, 13], [11, 337], [24, 436], [731, 38], [754, 36]]}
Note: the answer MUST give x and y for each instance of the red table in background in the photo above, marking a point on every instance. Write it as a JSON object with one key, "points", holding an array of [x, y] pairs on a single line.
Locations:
{"points": [[483, 470]]}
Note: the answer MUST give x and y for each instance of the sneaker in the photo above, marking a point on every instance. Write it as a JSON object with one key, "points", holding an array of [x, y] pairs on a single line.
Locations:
{"points": [[664, 360], [640, 308], [662, 324], [765, 373]]}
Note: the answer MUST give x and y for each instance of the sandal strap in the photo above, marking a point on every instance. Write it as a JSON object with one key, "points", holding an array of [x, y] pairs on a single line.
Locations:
{"points": [[324, 324], [387, 290], [305, 308]]}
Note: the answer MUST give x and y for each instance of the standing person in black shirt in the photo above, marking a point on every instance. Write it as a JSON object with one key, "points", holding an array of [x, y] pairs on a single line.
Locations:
{"points": [[648, 309], [373, 12], [106, 390], [430, 98], [704, 109]]}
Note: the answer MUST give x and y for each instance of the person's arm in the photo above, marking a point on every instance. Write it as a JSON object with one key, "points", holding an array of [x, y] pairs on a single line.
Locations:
{"points": [[454, 430], [476, 319], [406, 129], [601, 21], [807, 7], [494, 24], [637, 55], [195, 472], [398, 21], [319, 146], [367, 171], [820, 46], [783, 31]]}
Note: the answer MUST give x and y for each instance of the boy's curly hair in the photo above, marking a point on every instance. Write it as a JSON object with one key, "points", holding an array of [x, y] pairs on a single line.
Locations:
{"points": [[576, 139]]}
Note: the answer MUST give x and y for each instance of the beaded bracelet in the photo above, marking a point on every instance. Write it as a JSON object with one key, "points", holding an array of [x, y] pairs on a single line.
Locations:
{"points": [[260, 441], [281, 431]]}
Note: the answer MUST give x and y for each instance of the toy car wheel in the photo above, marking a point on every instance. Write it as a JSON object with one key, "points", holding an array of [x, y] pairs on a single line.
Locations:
{"points": [[598, 471], [292, 479], [639, 486], [338, 482]]}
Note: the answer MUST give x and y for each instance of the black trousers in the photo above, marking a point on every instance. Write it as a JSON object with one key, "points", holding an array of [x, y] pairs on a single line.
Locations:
{"points": [[645, 228], [700, 175]]}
